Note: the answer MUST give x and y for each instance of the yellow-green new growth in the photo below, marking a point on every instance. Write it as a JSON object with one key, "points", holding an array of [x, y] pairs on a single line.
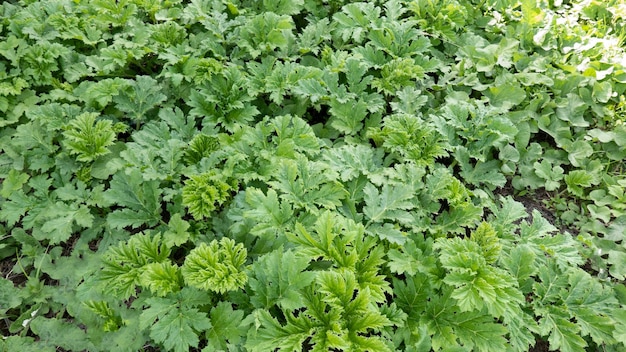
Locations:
{"points": [[89, 139], [203, 193], [217, 267]]}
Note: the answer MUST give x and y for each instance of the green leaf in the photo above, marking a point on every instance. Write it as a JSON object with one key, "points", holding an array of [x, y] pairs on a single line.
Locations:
{"points": [[355, 19], [57, 333], [201, 146], [270, 215], [340, 291], [23, 344], [224, 100], [572, 110], [481, 172], [411, 138], [217, 266], [175, 327], [123, 265], [579, 152], [620, 328], [505, 216], [161, 278], [112, 321], [411, 295], [120, 219], [479, 332], [458, 218], [410, 259], [505, 96], [520, 262], [522, 329], [60, 227], [88, 138], [143, 94], [347, 117], [593, 305], [350, 161], [602, 91], [277, 278], [13, 182], [390, 203], [553, 174], [139, 198], [101, 93], [509, 153], [10, 295], [270, 334], [305, 185], [177, 232], [620, 135], [578, 180], [617, 262], [437, 321], [311, 88], [203, 193], [563, 334], [295, 133], [487, 239], [265, 32], [551, 281], [476, 284], [600, 212], [227, 328]]}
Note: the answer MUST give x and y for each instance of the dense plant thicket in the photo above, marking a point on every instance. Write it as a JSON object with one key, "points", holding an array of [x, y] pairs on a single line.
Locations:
{"points": [[312, 175]]}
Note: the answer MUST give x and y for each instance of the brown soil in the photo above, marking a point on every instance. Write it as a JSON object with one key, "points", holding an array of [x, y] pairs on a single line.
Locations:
{"points": [[540, 346], [537, 201]]}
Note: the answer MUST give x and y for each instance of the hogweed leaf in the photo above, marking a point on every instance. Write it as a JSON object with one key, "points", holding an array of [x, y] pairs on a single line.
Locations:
{"points": [[177, 232], [201, 146], [271, 215], [477, 284], [161, 278], [563, 334], [60, 334], [270, 334], [89, 139], [62, 219], [487, 239], [203, 193], [479, 332], [141, 96], [124, 264], [277, 278], [390, 203], [411, 138], [174, 326], [112, 321], [217, 266], [520, 262], [139, 198], [13, 182], [407, 259], [227, 327], [306, 185]]}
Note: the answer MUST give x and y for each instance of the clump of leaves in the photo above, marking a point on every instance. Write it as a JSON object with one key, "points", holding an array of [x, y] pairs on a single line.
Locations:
{"points": [[142, 261], [217, 266], [204, 193], [90, 139]]}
